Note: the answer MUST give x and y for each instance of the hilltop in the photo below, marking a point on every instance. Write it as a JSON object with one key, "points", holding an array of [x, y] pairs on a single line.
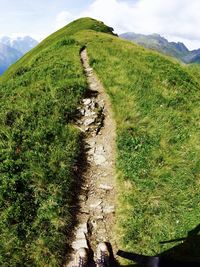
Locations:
{"points": [[155, 104], [161, 44]]}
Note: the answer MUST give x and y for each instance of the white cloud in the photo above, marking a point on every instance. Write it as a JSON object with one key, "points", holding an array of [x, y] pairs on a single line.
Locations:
{"points": [[63, 18], [110, 12], [177, 20]]}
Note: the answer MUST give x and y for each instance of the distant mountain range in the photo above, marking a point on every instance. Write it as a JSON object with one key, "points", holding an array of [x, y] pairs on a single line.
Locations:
{"points": [[8, 56], [13, 49], [159, 43]]}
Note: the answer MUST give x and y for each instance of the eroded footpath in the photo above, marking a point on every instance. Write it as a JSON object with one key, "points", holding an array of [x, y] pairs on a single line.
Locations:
{"points": [[96, 214]]}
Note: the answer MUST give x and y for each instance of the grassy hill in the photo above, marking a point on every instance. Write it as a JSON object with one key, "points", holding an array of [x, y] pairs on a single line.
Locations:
{"points": [[156, 106]]}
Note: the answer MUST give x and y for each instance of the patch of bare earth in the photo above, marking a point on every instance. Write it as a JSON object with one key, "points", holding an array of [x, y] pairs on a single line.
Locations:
{"points": [[96, 216]]}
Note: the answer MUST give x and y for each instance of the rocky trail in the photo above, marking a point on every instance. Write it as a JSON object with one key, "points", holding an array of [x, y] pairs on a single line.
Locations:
{"points": [[96, 213]]}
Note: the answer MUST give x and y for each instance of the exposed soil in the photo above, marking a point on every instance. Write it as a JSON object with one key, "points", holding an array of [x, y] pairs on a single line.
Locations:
{"points": [[96, 216]]}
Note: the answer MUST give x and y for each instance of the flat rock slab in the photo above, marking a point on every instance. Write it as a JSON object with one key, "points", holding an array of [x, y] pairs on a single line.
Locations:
{"points": [[99, 159], [80, 243], [89, 69], [82, 228], [105, 187], [87, 101], [89, 113], [109, 209], [89, 121]]}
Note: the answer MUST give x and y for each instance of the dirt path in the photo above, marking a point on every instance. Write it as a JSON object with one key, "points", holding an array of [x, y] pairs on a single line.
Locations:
{"points": [[97, 200]]}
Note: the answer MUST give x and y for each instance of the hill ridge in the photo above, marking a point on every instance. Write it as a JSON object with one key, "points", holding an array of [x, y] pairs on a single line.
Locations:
{"points": [[155, 104]]}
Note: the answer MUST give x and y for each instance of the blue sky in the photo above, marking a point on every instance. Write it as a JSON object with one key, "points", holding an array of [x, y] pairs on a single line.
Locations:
{"points": [[177, 20], [35, 17]]}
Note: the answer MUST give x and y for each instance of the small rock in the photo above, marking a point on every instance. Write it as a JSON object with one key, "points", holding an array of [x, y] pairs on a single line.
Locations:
{"points": [[99, 159], [82, 198], [91, 151], [109, 209], [89, 69], [99, 217], [85, 187], [101, 104], [105, 187], [96, 204], [88, 122], [82, 112], [80, 234], [90, 159], [85, 211], [83, 228], [79, 243], [92, 105], [89, 113], [86, 101]]}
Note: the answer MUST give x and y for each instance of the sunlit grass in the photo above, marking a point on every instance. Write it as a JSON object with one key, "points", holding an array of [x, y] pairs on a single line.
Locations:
{"points": [[156, 106], [39, 150]]}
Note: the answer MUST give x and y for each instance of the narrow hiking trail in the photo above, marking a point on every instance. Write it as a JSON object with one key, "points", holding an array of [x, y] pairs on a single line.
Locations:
{"points": [[96, 214]]}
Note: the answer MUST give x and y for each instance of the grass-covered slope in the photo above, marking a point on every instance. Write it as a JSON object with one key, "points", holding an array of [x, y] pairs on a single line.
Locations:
{"points": [[194, 70], [39, 148], [156, 107]]}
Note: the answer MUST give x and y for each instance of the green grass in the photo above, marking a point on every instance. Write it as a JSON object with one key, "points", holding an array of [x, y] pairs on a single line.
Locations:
{"points": [[39, 150], [194, 70], [156, 106]]}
